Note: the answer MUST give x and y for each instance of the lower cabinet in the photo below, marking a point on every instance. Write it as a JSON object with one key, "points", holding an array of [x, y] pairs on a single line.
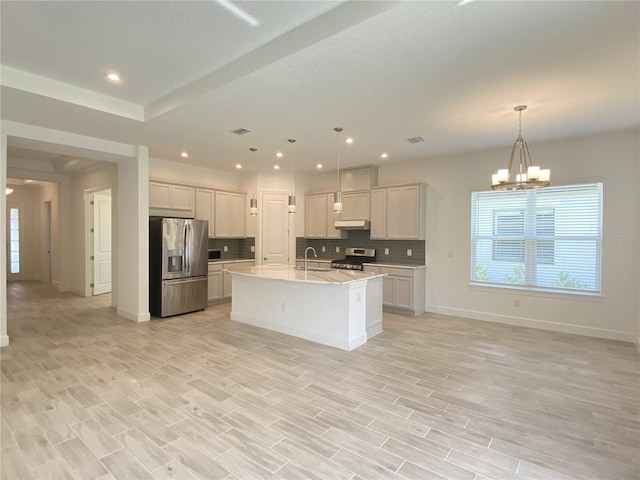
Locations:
{"points": [[403, 288], [220, 281]]}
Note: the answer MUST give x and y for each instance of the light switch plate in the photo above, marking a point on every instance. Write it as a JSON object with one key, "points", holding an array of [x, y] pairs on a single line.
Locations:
{"points": [[225, 248], [386, 251], [323, 249], [253, 249], [337, 249], [409, 252]]}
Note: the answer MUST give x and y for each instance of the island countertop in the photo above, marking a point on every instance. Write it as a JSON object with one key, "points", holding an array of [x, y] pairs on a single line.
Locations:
{"points": [[289, 273]]}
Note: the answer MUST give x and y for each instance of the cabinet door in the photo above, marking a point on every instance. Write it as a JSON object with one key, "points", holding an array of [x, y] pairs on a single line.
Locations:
{"points": [[389, 291], [181, 197], [332, 217], [205, 207], [394, 213], [315, 216], [355, 206], [404, 293], [222, 214], [214, 287], [411, 213], [378, 214], [239, 212], [159, 195]]}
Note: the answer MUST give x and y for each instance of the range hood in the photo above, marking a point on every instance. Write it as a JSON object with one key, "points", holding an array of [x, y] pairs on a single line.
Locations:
{"points": [[352, 225]]}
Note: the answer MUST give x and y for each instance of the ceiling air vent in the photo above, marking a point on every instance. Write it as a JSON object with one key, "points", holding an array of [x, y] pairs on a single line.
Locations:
{"points": [[240, 131], [415, 139]]}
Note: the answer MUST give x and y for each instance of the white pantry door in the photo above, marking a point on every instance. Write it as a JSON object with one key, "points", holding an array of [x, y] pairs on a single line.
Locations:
{"points": [[275, 228], [101, 243]]}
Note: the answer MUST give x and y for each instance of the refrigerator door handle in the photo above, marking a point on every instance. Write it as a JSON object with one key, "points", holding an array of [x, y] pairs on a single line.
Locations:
{"points": [[179, 281]]}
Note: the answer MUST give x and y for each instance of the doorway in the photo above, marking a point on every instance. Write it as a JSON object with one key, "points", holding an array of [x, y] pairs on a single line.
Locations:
{"points": [[275, 229], [99, 241], [47, 243]]}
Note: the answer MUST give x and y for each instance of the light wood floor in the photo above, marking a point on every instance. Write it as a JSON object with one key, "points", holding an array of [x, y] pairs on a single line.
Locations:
{"points": [[86, 394]]}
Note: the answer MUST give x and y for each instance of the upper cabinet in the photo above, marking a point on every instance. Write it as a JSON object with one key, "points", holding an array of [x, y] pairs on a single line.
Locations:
{"points": [[358, 178], [205, 205], [230, 215], [165, 196], [355, 206], [398, 213], [319, 218]]}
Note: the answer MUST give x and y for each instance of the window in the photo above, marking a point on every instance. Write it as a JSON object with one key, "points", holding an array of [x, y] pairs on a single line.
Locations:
{"points": [[14, 240], [548, 238]]}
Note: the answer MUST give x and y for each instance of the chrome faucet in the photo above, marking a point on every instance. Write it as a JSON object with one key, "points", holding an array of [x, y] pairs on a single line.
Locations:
{"points": [[305, 256]]}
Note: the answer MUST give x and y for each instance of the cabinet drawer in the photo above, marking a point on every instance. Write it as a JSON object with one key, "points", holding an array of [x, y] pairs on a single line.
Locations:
{"points": [[397, 272], [215, 267]]}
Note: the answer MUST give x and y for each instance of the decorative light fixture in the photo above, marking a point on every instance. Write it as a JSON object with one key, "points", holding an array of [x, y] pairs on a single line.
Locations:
{"points": [[337, 195], [9, 191], [253, 202], [528, 175], [292, 197]]}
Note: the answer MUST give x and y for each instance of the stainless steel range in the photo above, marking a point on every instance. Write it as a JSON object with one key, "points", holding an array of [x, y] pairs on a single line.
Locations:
{"points": [[355, 258]]}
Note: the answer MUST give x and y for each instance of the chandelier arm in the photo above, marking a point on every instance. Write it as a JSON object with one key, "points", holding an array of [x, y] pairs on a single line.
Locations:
{"points": [[528, 155], [513, 151]]}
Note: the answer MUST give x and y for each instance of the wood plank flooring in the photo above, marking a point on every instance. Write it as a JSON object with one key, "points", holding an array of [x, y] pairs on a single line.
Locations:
{"points": [[86, 394]]}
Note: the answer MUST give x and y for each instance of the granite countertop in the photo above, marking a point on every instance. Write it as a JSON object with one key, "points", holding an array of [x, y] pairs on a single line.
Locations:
{"points": [[292, 274], [229, 260], [397, 265]]}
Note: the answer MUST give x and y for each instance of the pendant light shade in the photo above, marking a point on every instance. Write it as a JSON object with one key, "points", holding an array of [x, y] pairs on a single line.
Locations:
{"points": [[337, 195], [253, 201], [292, 198], [527, 175]]}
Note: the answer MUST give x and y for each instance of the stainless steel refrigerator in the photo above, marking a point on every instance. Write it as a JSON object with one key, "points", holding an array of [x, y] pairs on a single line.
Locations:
{"points": [[178, 265]]}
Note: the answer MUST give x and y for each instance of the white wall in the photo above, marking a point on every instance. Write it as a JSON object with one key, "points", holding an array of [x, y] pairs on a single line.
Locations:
{"points": [[50, 193], [612, 158], [179, 172]]}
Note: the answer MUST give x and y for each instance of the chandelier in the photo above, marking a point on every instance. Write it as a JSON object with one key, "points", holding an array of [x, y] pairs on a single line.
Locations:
{"points": [[527, 175]]}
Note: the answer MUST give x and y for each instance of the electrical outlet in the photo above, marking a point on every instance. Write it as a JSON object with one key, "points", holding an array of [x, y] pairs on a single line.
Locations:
{"points": [[323, 249], [409, 252], [225, 248], [386, 251], [337, 249], [253, 249]]}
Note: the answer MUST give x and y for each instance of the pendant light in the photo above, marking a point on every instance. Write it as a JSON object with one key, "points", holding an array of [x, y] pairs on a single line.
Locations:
{"points": [[337, 195], [292, 197], [253, 202], [528, 175]]}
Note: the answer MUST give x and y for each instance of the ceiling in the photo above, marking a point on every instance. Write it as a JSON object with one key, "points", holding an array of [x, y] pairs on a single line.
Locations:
{"points": [[384, 71]]}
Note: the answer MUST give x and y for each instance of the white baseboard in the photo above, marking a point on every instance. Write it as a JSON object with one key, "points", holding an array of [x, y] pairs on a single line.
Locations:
{"points": [[539, 324], [4, 340], [134, 317], [374, 329]]}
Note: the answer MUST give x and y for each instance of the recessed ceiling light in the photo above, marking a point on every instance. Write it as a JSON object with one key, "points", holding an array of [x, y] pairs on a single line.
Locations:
{"points": [[238, 166], [384, 155], [279, 154], [349, 140], [276, 167], [113, 77], [319, 166], [184, 155]]}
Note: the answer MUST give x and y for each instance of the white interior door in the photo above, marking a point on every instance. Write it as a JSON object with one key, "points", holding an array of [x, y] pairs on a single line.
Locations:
{"points": [[275, 228], [101, 242]]}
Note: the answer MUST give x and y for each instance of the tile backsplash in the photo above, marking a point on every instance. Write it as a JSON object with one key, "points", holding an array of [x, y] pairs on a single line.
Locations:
{"points": [[236, 247], [360, 239]]}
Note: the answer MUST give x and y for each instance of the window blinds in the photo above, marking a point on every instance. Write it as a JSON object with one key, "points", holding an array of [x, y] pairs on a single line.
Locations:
{"points": [[547, 238]]}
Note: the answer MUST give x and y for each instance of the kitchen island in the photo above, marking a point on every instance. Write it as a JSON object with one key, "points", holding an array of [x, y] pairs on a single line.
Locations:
{"points": [[334, 307]]}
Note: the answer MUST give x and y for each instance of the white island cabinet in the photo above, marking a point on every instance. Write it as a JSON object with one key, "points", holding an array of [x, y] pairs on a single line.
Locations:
{"points": [[338, 308]]}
